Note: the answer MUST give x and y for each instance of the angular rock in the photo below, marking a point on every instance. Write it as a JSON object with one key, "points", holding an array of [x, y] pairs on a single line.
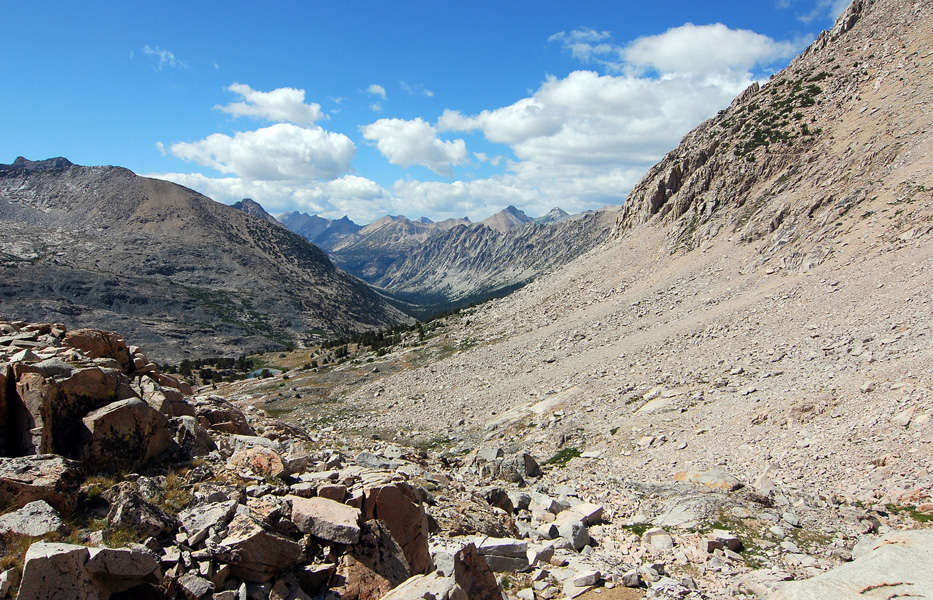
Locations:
{"points": [[473, 575], [713, 479], [219, 415], [590, 514], [34, 520], [374, 566], [115, 570], [95, 343], [658, 539], [397, 505], [326, 519], [191, 438], [125, 434], [197, 520], [504, 554], [56, 572], [44, 477], [373, 461], [259, 461], [194, 587], [129, 510], [573, 531], [254, 553]]}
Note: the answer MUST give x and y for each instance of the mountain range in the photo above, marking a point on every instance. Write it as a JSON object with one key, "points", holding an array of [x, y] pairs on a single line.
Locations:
{"points": [[430, 267], [101, 246]]}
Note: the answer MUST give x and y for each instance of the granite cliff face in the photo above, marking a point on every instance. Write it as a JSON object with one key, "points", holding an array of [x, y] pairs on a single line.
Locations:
{"points": [[103, 247]]}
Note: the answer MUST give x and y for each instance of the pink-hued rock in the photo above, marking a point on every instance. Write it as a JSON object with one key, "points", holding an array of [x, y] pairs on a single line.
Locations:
{"points": [[374, 566], [95, 343], [398, 507], [256, 554], [260, 461], [125, 434], [326, 519], [219, 415]]}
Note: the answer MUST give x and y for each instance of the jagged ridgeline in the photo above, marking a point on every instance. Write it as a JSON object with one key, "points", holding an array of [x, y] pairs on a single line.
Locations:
{"points": [[180, 273]]}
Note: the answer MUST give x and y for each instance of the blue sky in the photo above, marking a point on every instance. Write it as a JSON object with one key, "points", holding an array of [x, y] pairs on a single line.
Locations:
{"points": [[437, 109]]}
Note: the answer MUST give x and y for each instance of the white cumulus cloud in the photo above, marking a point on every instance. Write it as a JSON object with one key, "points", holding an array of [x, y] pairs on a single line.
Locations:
{"points": [[377, 90], [406, 143], [704, 49], [280, 152], [281, 105]]}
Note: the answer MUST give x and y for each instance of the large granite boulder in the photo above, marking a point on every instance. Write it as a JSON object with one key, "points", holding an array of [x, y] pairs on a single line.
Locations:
{"points": [[125, 435], [397, 505], [254, 553], [95, 343], [36, 519], [326, 519], [59, 571], [47, 477], [375, 565]]}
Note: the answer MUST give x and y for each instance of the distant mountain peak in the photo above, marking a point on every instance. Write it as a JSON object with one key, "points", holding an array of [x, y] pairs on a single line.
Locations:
{"points": [[253, 208], [506, 219]]}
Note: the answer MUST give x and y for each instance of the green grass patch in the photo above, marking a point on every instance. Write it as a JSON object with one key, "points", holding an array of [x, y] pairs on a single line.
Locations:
{"points": [[563, 456]]}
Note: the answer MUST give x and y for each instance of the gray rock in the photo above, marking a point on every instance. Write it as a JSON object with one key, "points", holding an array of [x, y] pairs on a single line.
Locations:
{"points": [[658, 539], [56, 571], [575, 532], [34, 520], [374, 461], [895, 565], [194, 587], [326, 519], [198, 520], [587, 578]]}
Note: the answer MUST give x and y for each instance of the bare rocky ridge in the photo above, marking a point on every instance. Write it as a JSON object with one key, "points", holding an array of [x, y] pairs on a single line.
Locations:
{"points": [[434, 266], [477, 261], [100, 246]]}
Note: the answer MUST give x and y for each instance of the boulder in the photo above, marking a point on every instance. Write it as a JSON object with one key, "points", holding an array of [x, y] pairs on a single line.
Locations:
{"points": [[254, 553], [55, 572], [473, 575], [897, 565], [397, 506], [95, 343], [427, 587], [191, 438], [44, 411], [504, 554], [115, 570], [219, 415], [129, 510], [197, 520], [125, 434], [326, 519], [43, 477], [259, 461], [713, 479], [194, 587], [375, 565], [34, 520]]}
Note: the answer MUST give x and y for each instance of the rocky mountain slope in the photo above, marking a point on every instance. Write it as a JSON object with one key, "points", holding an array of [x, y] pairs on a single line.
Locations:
{"points": [[100, 246], [476, 262], [759, 322], [374, 248], [432, 267]]}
